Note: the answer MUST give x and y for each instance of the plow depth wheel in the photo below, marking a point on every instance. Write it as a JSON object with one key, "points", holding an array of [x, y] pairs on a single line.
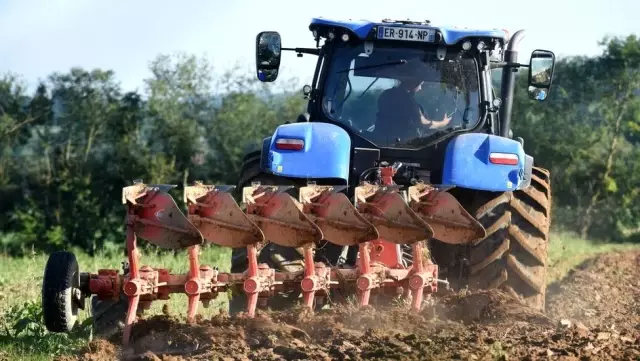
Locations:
{"points": [[513, 256], [61, 296]]}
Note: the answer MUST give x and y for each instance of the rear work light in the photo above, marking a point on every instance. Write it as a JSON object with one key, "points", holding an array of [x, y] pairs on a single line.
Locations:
{"points": [[289, 144], [504, 158]]}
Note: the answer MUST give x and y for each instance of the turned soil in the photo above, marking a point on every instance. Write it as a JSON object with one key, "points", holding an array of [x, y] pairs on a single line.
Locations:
{"points": [[592, 314]]}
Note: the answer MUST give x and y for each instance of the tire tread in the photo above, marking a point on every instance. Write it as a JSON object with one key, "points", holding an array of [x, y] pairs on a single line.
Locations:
{"points": [[513, 255], [59, 312]]}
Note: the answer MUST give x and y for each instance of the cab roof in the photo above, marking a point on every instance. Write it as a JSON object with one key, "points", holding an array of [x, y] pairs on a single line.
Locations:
{"points": [[366, 30]]}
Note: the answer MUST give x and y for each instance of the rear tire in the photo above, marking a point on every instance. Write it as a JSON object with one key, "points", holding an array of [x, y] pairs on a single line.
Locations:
{"points": [[108, 316], [513, 256], [60, 291]]}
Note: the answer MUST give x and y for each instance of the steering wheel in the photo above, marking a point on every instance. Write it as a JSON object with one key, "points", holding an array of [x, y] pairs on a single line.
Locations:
{"points": [[348, 120]]}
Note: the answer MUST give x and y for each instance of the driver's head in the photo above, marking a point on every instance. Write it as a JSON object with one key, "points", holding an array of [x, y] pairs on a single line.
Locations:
{"points": [[411, 84], [411, 75]]}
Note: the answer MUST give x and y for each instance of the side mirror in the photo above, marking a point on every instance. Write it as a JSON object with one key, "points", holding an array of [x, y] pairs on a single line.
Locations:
{"points": [[541, 68], [268, 47]]}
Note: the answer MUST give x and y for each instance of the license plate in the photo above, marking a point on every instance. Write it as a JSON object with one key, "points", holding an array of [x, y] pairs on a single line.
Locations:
{"points": [[406, 34]]}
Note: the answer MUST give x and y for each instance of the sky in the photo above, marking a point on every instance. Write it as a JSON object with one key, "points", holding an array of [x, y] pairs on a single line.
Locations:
{"points": [[40, 37]]}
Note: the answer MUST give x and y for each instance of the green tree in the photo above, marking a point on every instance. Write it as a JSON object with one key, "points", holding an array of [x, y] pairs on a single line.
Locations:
{"points": [[618, 106], [584, 134]]}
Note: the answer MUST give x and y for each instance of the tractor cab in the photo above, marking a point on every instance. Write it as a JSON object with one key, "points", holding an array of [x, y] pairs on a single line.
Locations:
{"points": [[407, 85], [395, 96]]}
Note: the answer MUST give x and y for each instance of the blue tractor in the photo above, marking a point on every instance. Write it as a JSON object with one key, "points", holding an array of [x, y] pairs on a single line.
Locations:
{"points": [[410, 108], [402, 175]]}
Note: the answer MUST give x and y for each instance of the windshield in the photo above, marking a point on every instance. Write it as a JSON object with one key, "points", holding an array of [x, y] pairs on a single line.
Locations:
{"points": [[399, 97]]}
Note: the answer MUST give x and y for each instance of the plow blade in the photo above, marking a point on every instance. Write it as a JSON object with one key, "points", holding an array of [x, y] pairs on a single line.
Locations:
{"points": [[451, 223], [279, 216], [159, 220], [219, 218], [335, 215], [387, 210]]}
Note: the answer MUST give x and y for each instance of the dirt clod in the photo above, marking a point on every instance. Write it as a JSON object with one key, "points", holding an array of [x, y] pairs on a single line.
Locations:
{"points": [[592, 314]]}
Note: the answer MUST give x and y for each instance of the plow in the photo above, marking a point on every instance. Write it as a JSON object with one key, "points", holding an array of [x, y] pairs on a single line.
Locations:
{"points": [[377, 223], [366, 193]]}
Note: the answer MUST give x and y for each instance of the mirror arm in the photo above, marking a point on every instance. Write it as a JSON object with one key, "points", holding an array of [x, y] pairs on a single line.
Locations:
{"points": [[310, 51], [504, 64]]}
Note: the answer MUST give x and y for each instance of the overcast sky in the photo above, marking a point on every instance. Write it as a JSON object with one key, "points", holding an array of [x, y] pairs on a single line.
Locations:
{"points": [[39, 37]]}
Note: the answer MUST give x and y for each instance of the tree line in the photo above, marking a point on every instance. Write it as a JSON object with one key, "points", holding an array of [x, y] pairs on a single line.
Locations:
{"points": [[68, 147]]}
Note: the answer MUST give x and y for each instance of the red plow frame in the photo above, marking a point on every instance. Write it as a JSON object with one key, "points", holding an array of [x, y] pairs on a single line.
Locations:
{"points": [[378, 222]]}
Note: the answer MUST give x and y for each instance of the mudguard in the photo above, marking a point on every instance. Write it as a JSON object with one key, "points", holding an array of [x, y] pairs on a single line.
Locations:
{"points": [[486, 162], [264, 154], [528, 171], [325, 154]]}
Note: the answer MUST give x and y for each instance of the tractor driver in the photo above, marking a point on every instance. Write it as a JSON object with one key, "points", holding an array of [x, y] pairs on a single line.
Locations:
{"points": [[400, 114], [399, 105]]}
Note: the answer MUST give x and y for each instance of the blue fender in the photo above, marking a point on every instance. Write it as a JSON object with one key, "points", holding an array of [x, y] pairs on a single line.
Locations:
{"points": [[326, 152], [486, 162]]}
